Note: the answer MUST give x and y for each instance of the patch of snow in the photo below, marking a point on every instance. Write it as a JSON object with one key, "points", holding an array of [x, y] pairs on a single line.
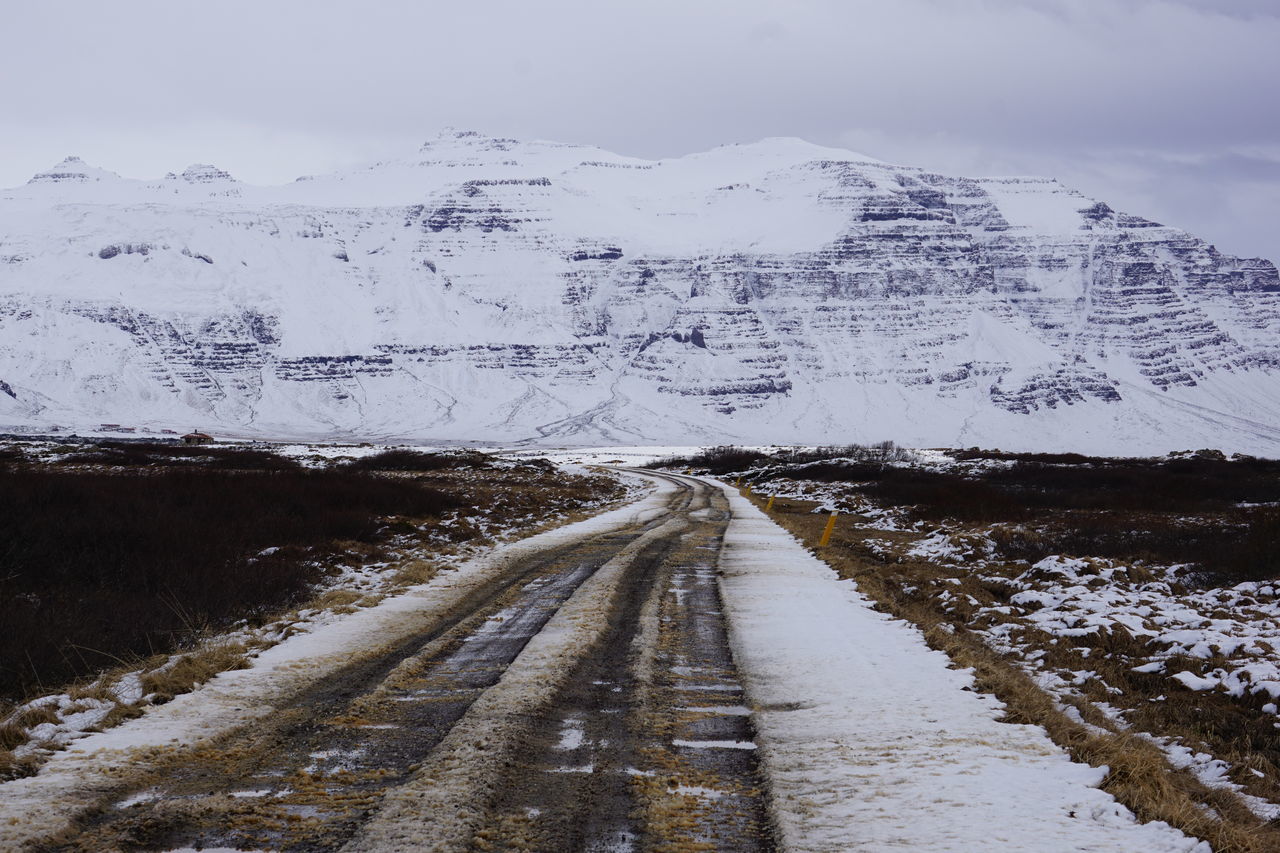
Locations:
{"points": [[572, 735], [714, 744]]}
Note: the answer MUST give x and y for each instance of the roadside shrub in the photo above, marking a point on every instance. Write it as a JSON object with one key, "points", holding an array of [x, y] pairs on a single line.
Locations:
{"points": [[974, 454], [1252, 556], [415, 460], [715, 460], [881, 453], [828, 472], [730, 459], [100, 566], [934, 495], [1201, 508], [1178, 485], [128, 454]]}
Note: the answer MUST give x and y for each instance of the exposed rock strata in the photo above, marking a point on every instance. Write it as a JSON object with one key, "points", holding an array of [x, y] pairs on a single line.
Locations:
{"points": [[491, 289]]}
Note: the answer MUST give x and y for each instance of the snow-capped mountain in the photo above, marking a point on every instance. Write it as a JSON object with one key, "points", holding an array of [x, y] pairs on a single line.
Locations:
{"points": [[498, 290]]}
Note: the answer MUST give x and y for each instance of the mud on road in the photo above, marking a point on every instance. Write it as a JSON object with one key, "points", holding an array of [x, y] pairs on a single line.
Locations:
{"points": [[637, 737]]}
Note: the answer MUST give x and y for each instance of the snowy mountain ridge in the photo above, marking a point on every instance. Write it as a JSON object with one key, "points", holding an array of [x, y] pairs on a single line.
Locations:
{"points": [[496, 290]]}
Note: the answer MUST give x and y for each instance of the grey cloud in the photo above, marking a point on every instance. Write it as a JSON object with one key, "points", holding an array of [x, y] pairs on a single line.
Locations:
{"points": [[1050, 86]]}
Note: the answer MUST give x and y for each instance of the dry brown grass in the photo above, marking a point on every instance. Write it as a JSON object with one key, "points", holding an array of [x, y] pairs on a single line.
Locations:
{"points": [[1139, 775], [336, 598], [117, 715], [192, 669], [99, 689], [12, 735], [38, 715], [413, 572], [13, 767]]}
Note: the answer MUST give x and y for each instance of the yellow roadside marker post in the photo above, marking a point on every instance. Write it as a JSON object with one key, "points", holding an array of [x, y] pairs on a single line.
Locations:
{"points": [[748, 490], [769, 505], [826, 534], [737, 484]]}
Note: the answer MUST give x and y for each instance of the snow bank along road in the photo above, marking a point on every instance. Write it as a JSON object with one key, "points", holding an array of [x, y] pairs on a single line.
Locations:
{"points": [[578, 691]]}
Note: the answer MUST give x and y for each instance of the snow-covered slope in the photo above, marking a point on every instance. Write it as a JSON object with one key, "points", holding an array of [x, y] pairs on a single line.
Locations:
{"points": [[497, 290]]}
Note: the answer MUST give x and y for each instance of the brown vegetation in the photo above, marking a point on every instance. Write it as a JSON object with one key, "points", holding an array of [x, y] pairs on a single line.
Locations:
{"points": [[147, 454], [125, 550], [1222, 515], [415, 460], [1126, 518], [727, 458], [101, 566], [183, 673]]}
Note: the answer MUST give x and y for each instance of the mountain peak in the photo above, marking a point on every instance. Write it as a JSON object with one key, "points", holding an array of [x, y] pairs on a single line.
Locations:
{"points": [[451, 135], [793, 147], [203, 173], [72, 170], [475, 141]]}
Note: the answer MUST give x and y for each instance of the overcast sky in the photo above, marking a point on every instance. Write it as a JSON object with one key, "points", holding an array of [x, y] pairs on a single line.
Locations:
{"points": [[1165, 108]]}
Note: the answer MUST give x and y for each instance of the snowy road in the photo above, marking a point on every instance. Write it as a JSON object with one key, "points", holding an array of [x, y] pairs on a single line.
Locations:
{"points": [[582, 692], [580, 697]]}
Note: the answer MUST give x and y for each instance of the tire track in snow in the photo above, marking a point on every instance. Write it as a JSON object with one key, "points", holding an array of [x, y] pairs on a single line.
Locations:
{"points": [[629, 752], [445, 805]]}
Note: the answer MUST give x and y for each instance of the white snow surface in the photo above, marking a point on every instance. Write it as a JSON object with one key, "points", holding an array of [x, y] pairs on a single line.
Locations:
{"points": [[871, 741]]}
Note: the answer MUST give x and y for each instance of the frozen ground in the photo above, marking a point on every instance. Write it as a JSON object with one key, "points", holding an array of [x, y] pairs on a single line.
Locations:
{"points": [[871, 741]]}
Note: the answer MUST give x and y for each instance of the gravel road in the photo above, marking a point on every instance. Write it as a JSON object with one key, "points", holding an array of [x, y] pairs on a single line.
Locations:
{"points": [[586, 699]]}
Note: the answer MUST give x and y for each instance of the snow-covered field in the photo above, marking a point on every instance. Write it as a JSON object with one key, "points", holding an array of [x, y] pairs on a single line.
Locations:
{"points": [[1070, 597], [621, 455]]}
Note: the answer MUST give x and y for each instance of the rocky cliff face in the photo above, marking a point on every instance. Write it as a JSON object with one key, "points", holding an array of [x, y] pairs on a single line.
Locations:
{"points": [[496, 290]]}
